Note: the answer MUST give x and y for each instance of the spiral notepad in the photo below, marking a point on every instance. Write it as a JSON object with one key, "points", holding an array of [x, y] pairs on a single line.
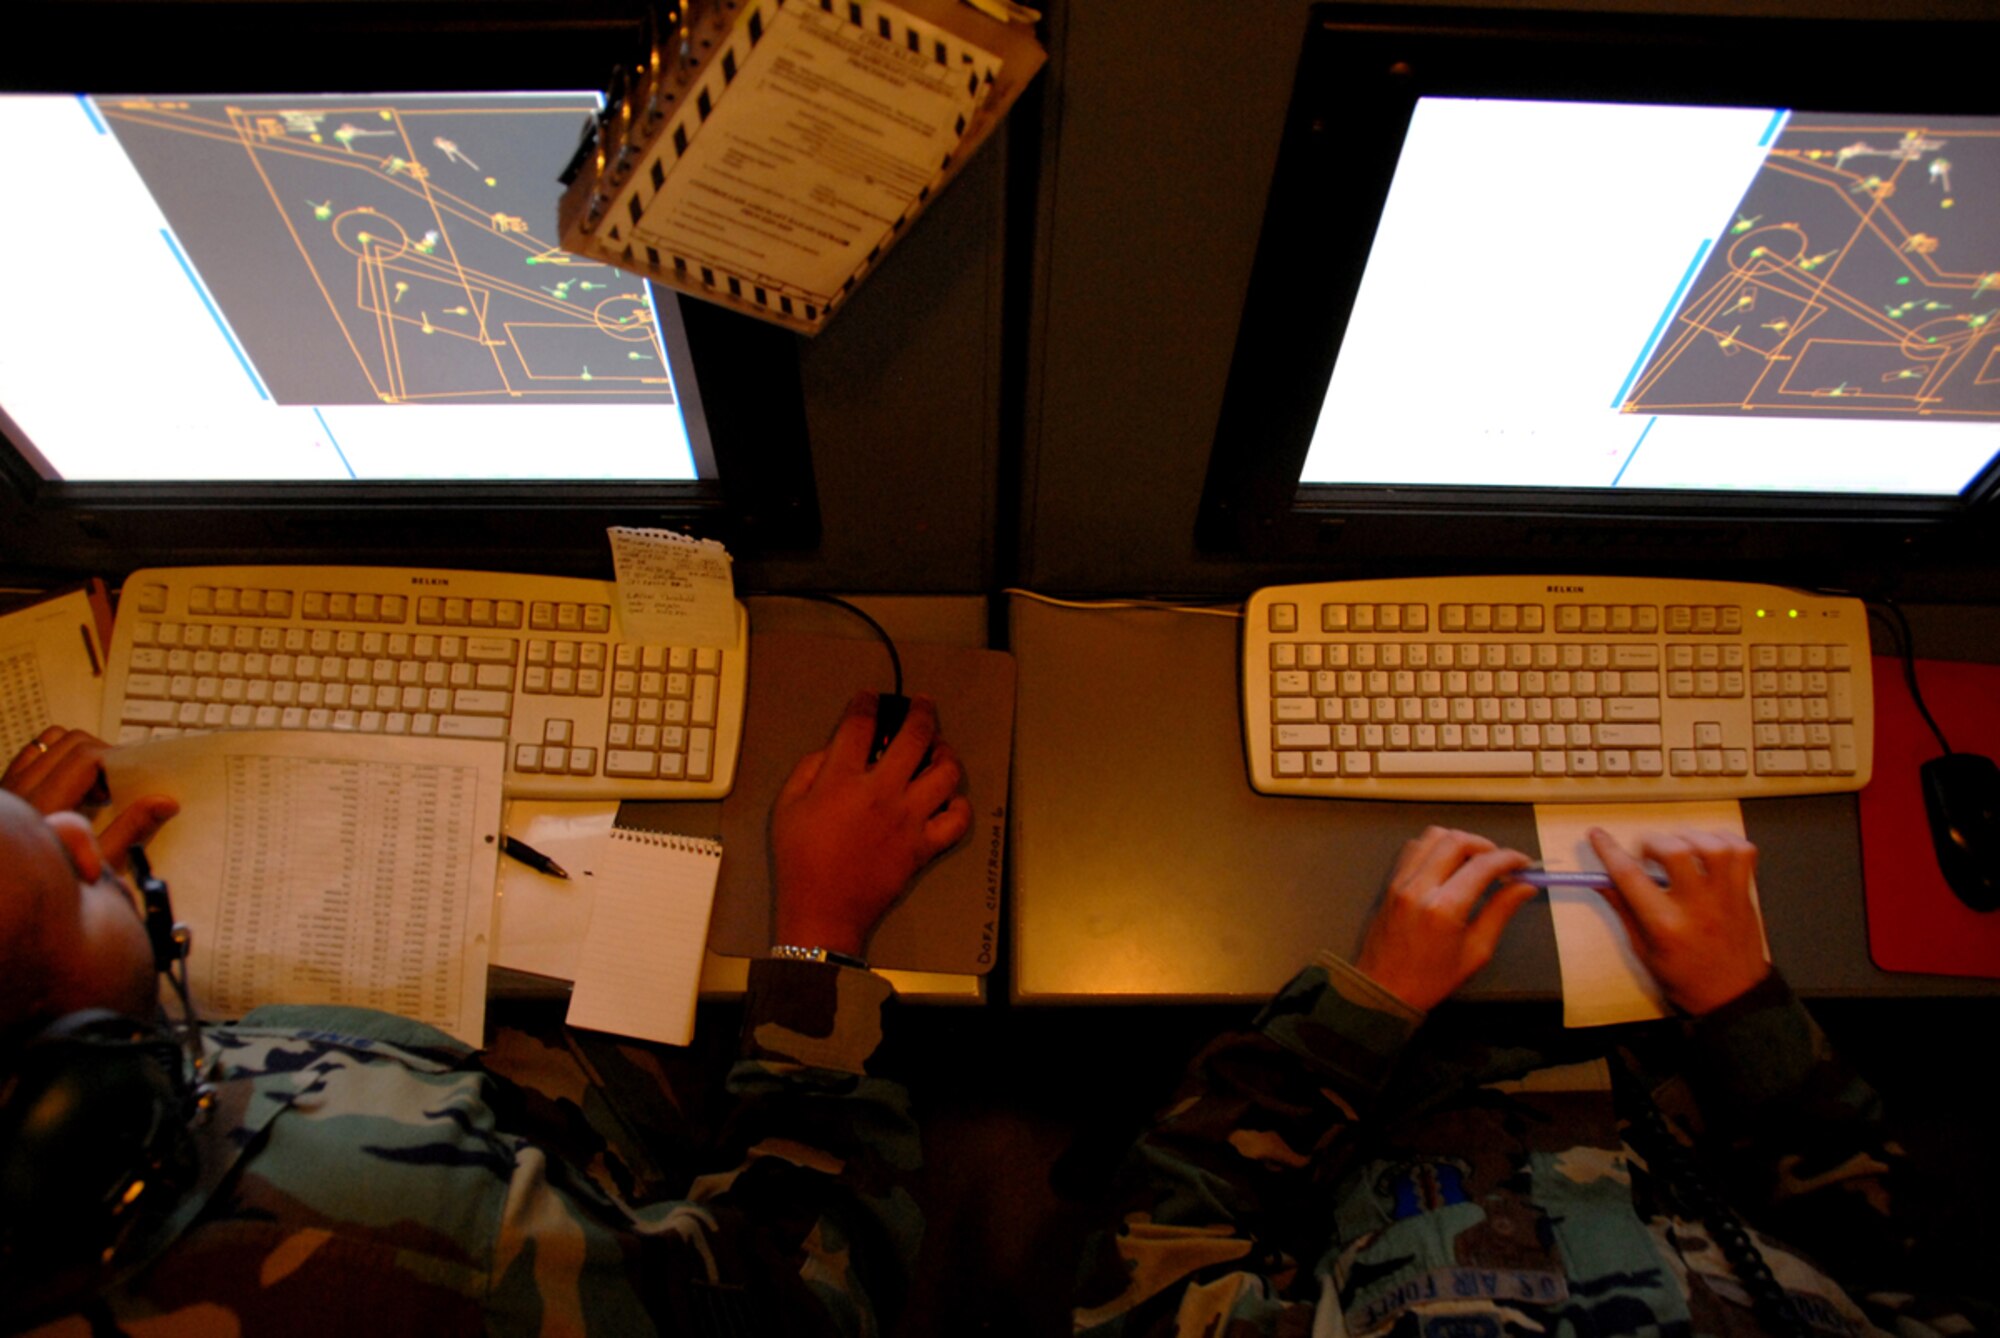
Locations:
{"points": [[640, 966]]}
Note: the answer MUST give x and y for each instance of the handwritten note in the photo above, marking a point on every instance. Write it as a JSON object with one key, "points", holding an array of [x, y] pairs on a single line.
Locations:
{"points": [[1602, 979], [672, 589], [329, 868]]}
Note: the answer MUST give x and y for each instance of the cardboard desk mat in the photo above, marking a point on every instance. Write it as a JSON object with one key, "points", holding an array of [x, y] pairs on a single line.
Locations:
{"points": [[799, 686]]}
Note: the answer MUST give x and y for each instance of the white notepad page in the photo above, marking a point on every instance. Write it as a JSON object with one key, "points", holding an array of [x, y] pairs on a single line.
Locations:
{"points": [[640, 966], [1603, 981], [539, 920], [51, 669]]}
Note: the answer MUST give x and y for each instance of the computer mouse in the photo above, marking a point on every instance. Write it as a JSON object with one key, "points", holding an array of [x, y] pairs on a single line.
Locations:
{"points": [[1962, 796], [891, 708]]}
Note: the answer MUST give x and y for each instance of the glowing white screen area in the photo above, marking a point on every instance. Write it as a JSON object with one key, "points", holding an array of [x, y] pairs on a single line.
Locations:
{"points": [[320, 288], [1565, 295]]}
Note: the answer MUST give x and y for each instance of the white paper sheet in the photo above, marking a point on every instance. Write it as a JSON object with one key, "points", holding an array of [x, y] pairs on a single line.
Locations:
{"points": [[539, 921], [640, 967], [673, 590], [1602, 979], [329, 868], [826, 141], [51, 670]]}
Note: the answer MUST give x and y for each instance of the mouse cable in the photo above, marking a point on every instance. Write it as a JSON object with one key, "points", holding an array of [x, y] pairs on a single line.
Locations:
{"points": [[895, 660], [1163, 606], [1906, 643]]}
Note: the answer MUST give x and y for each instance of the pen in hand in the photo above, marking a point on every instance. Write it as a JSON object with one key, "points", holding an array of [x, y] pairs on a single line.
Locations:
{"points": [[533, 858], [1591, 878]]}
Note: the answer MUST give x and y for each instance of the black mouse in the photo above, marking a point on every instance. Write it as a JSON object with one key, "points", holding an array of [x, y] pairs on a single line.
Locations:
{"points": [[1962, 796], [890, 711]]}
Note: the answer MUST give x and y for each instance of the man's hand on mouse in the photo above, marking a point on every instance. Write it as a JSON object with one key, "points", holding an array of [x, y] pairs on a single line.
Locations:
{"points": [[847, 836], [1700, 936]]}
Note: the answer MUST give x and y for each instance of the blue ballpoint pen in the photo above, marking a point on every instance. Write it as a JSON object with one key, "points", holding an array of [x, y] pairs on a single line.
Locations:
{"points": [[1593, 878]]}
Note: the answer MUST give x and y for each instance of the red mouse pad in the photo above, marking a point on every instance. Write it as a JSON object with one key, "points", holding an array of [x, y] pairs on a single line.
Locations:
{"points": [[1915, 923]]}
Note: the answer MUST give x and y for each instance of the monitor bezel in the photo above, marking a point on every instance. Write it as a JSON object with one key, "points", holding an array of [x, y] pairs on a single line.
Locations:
{"points": [[762, 498], [1367, 66]]}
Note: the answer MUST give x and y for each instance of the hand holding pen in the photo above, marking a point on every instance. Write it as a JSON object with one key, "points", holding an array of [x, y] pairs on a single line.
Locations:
{"points": [[1437, 925], [1699, 934]]}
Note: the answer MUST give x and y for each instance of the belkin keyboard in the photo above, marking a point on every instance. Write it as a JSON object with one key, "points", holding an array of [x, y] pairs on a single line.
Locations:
{"points": [[1554, 689], [535, 661]]}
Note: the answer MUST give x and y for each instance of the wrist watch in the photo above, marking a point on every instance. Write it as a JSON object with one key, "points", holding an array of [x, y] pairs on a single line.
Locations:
{"points": [[792, 953]]}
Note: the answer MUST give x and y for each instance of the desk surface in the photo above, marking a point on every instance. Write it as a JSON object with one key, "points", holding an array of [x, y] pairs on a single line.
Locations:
{"points": [[1145, 869], [953, 620]]}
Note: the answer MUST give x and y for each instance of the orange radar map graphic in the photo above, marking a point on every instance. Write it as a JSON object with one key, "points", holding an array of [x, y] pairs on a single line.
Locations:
{"points": [[396, 250], [1860, 276]]}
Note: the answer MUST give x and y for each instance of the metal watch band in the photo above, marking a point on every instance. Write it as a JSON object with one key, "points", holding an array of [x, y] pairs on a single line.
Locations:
{"points": [[792, 953]]}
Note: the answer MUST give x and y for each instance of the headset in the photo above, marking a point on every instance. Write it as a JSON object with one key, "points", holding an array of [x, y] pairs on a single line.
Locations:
{"points": [[97, 1112]]}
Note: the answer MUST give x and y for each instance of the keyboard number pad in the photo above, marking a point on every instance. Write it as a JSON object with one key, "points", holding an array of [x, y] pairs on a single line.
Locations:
{"points": [[663, 707], [1802, 706]]}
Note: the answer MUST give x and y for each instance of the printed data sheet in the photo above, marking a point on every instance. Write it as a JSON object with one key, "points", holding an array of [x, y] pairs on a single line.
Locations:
{"points": [[329, 868]]}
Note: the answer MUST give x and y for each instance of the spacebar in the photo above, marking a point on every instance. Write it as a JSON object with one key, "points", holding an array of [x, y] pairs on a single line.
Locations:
{"points": [[1454, 764]]}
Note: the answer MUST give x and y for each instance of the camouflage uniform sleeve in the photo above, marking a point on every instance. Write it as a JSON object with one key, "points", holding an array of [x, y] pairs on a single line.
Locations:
{"points": [[826, 1153], [1205, 1193], [364, 1166], [1800, 1135]]}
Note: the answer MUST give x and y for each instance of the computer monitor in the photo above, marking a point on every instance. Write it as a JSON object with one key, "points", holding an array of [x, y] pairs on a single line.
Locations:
{"points": [[313, 325], [1617, 292]]}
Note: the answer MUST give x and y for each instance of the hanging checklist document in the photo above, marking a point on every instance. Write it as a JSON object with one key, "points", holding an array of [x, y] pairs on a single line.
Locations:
{"points": [[329, 869]]}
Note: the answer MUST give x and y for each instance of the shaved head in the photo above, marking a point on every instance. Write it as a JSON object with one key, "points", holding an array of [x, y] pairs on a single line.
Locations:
{"points": [[67, 941], [26, 848]]}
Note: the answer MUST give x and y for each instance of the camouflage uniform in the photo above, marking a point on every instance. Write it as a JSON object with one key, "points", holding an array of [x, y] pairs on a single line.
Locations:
{"points": [[363, 1171], [1311, 1177]]}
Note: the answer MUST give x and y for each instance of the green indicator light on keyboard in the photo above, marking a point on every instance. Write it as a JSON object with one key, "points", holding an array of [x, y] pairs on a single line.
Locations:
{"points": [[1760, 613], [1791, 613]]}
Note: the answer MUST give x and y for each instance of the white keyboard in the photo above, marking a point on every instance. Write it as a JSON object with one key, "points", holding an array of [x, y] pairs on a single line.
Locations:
{"points": [[533, 660], [1554, 689]]}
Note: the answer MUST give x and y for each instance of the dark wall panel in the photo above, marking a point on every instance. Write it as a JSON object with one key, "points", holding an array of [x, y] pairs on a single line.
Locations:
{"points": [[1162, 134], [902, 402], [1160, 138]]}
